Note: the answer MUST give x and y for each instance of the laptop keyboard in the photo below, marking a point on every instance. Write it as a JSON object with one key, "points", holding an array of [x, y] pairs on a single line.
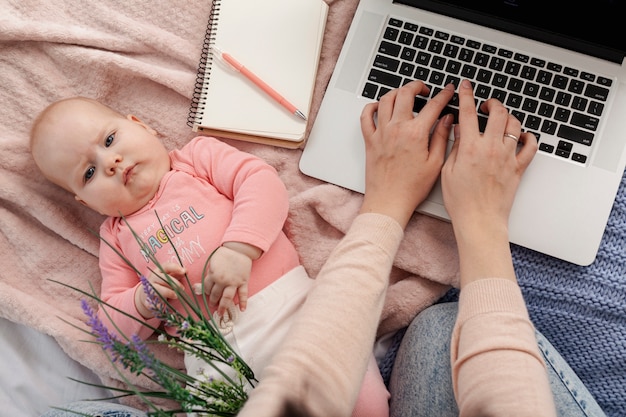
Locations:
{"points": [[547, 98]]}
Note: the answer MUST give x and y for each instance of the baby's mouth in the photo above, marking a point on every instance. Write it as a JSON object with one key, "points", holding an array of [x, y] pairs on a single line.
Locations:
{"points": [[128, 172]]}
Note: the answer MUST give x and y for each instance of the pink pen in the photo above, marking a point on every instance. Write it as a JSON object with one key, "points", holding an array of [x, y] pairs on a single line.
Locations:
{"points": [[236, 65]]}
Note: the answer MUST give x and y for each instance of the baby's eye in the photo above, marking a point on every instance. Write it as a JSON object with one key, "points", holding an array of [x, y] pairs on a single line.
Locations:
{"points": [[109, 140], [89, 173]]}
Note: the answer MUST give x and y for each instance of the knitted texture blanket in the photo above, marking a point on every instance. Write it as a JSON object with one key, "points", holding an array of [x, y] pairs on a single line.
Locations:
{"points": [[582, 310]]}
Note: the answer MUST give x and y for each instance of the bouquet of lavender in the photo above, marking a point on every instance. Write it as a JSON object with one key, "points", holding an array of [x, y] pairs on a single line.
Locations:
{"points": [[196, 335]]}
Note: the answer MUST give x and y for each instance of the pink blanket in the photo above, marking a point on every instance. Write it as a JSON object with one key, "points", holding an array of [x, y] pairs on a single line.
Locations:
{"points": [[141, 58]]}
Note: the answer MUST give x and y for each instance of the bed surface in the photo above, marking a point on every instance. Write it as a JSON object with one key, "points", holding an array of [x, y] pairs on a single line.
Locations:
{"points": [[141, 58], [35, 373]]}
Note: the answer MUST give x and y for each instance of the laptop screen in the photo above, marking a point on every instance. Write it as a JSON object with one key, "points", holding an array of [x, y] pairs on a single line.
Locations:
{"points": [[558, 22]]}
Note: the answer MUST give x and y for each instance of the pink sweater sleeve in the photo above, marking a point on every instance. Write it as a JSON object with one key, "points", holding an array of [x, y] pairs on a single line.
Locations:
{"points": [[325, 354], [260, 199], [497, 369], [119, 284]]}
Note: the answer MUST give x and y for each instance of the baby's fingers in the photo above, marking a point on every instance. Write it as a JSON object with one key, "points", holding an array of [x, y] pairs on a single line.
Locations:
{"points": [[165, 291], [242, 294], [226, 300]]}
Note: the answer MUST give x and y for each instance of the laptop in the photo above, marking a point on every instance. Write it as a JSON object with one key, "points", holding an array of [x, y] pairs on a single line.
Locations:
{"points": [[559, 69]]}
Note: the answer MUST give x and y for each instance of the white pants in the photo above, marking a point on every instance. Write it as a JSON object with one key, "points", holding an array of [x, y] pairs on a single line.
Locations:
{"points": [[256, 333]]}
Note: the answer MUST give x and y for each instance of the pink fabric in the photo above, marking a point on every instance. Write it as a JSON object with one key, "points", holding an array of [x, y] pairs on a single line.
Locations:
{"points": [[494, 354], [142, 58]]}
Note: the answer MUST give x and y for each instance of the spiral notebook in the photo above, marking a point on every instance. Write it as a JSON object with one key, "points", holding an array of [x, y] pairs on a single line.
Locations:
{"points": [[277, 40]]}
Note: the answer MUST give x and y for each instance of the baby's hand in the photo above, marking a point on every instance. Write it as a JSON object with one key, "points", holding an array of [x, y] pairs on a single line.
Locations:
{"points": [[160, 284], [227, 275]]}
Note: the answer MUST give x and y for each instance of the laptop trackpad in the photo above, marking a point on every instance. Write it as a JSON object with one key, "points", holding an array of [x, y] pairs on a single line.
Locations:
{"points": [[365, 35]]}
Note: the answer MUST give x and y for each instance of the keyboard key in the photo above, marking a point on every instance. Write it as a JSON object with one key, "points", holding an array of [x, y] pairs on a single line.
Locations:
{"points": [[554, 67], [370, 90], [544, 77], [483, 76], [580, 104], [421, 73], [405, 38], [545, 110], [435, 46], [410, 27], [596, 92], [482, 91], [423, 58], [473, 44], [408, 54], [442, 35], [385, 78], [531, 89], [515, 84], [548, 127], [595, 108], [512, 68], [426, 31], [528, 72], [391, 34], [496, 63], [563, 99], [390, 49], [560, 81], [546, 147], [575, 135], [533, 122], [530, 105], [466, 55], [585, 121], [453, 67], [421, 42], [386, 63], [576, 86], [499, 80], [499, 95], [457, 39], [562, 114], [514, 100], [521, 57], [538, 62], [468, 71]]}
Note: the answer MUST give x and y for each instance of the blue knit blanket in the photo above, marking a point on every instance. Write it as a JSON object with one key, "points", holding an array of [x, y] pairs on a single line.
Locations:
{"points": [[582, 310]]}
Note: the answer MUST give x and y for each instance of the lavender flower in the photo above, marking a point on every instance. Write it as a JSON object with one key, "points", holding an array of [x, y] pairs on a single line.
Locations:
{"points": [[98, 329], [152, 296]]}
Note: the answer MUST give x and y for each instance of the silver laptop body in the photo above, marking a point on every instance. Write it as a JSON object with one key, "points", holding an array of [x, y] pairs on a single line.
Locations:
{"points": [[566, 195]]}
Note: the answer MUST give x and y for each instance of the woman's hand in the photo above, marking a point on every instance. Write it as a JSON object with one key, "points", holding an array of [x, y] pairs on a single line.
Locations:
{"points": [[480, 179], [403, 158]]}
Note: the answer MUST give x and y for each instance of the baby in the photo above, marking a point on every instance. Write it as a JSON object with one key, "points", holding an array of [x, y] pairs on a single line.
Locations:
{"points": [[206, 195]]}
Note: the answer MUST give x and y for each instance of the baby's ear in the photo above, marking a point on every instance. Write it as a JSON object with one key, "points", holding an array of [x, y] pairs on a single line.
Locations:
{"points": [[136, 119]]}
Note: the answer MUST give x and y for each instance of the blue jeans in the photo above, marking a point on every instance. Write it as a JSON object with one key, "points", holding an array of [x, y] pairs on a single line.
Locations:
{"points": [[95, 409], [421, 379]]}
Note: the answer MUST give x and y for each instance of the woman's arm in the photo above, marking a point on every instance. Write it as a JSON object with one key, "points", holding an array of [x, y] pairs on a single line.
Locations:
{"points": [[497, 368]]}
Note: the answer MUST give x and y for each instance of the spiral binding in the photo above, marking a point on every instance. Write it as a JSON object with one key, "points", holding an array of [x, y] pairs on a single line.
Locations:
{"points": [[198, 100]]}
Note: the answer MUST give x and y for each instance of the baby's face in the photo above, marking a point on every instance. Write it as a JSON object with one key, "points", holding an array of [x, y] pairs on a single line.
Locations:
{"points": [[113, 164]]}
